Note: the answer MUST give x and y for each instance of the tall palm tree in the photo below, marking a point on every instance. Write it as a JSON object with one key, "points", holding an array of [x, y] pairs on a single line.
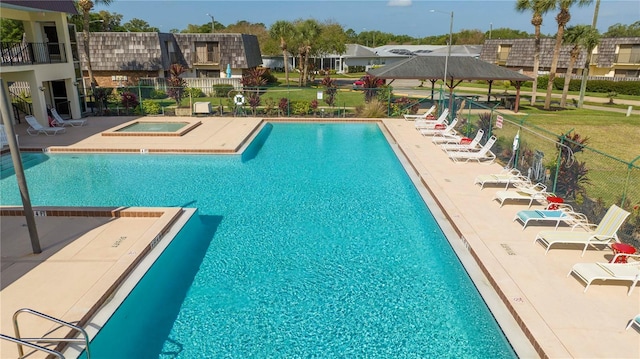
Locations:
{"points": [[539, 8], [85, 7], [284, 31], [587, 64], [308, 34], [562, 19], [582, 37]]}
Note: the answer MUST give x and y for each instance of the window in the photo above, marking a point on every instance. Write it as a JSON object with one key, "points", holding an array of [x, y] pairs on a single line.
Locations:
{"points": [[207, 53], [628, 54], [503, 53]]}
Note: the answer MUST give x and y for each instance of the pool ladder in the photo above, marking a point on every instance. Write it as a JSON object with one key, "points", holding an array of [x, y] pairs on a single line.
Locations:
{"points": [[32, 342]]}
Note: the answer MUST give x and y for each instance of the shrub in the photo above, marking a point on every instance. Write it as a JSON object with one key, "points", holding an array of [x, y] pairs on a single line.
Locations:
{"points": [[193, 92], [176, 83], [129, 100], [300, 108], [151, 107], [283, 106], [372, 109], [485, 124], [157, 94], [221, 90]]}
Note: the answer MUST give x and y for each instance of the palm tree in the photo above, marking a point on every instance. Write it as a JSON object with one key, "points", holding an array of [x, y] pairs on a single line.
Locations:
{"points": [[284, 31], [85, 7], [308, 32], [562, 19], [539, 8], [587, 64], [582, 37]]}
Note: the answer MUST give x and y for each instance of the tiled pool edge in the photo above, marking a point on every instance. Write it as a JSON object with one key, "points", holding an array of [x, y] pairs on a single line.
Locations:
{"points": [[492, 281], [160, 240]]}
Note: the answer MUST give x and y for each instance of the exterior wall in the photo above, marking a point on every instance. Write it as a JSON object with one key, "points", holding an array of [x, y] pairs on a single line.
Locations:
{"points": [[122, 78], [39, 76]]}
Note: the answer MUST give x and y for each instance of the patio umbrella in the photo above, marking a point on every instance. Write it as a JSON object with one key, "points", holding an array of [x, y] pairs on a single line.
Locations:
{"points": [[228, 71]]}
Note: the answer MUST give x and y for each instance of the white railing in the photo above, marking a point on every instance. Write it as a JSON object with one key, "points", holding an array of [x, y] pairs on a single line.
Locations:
{"points": [[203, 83]]}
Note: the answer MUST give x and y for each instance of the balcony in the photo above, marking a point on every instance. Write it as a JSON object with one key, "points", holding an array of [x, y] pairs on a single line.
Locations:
{"points": [[206, 58], [31, 53]]}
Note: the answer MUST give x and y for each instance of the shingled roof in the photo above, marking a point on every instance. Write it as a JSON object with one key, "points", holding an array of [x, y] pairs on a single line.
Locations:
{"points": [[607, 49], [458, 68], [523, 50], [146, 51], [65, 6]]}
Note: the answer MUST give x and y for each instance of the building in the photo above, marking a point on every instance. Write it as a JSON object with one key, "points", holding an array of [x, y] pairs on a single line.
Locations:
{"points": [[617, 58], [123, 58], [44, 60]]}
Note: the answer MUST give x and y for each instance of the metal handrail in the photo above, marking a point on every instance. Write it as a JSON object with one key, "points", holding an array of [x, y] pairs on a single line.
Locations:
{"points": [[31, 345], [55, 320]]}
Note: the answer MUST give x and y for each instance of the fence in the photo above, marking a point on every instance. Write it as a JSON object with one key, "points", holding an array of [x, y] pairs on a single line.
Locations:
{"points": [[587, 179]]}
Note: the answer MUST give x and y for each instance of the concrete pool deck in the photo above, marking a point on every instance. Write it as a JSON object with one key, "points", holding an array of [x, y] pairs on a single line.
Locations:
{"points": [[558, 318]]}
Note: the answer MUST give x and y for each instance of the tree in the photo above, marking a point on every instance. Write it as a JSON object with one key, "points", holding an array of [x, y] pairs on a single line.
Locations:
{"points": [[176, 83], [587, 64], [11, 30], [582, 37], [307, 34], [506, 33], [139, 25], [539, 8], [562, 19], [284, 31], [620, 30], [85, 7]]}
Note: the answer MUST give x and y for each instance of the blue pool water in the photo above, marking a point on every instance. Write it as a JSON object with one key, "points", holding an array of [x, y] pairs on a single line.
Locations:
{"points": [[315, 243]]}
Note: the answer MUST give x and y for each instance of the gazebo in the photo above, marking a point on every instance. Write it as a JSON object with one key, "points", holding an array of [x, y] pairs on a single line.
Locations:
{"points": [[458, 70]]}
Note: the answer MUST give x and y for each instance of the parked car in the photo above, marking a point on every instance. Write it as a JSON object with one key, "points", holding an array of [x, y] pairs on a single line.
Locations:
{"points": [[359, 83]]}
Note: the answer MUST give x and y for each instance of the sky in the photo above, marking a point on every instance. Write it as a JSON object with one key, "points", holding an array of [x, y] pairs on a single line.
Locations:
{"points": [[400, 17]]}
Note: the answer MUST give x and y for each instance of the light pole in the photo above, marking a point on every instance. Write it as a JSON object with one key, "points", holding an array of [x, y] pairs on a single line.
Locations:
{"points": [[212, 23], [446, 61]]}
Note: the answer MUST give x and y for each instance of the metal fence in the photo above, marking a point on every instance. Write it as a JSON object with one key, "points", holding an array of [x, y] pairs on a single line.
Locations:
{"points": [[587, 179]]}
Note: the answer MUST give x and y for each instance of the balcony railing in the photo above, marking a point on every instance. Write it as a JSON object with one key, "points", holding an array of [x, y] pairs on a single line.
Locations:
{"points": [[633, 58], [208, 57], [29, 53]]}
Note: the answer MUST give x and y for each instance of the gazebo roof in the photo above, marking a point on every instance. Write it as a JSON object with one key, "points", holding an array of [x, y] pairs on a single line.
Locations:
{"points": [[458, 68]]}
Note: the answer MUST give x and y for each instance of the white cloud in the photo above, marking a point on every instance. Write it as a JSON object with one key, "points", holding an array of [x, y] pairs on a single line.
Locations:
{"points": [[399, 3]]}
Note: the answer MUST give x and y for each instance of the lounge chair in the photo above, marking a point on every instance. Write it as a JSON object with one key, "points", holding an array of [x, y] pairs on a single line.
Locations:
{"points": [[438, 129], [442, 138], [564, 214], [62, 122], [635, 321], [603, 234], [590, 272], [35, 128], [423, 116], [483, 155], [537, 192], [430, 124], [508, 176], [473, 145]]}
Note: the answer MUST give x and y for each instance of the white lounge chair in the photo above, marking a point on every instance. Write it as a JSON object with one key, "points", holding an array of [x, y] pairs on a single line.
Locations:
{"points": [[564, 214], [62, 122], [420, 117], [483, 155], [438, 129], [590, 272], [537, 192], [635, 321], [35, 128], [604, 233], [424, 124], [474, 145], [442, 138], [508, 176]]}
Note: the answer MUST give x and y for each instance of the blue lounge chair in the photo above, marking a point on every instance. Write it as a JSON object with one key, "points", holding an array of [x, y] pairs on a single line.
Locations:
{"points": [[557, 216]]}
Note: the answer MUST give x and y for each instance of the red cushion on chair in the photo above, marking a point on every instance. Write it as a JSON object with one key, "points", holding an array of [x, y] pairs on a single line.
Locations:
{"points": [[465, 140], [440, 126], [431, 117]]}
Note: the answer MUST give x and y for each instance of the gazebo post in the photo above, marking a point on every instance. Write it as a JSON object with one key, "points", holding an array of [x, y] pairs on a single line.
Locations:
{"points": [[517, 104], [489, 93]]}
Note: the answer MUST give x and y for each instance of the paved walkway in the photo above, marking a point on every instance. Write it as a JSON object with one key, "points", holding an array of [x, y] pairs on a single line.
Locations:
{"points": [[551, 309]]}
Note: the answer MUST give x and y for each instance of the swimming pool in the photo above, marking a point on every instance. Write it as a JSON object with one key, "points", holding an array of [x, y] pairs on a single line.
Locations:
{"points": [[316, 245], [153, 127]]}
